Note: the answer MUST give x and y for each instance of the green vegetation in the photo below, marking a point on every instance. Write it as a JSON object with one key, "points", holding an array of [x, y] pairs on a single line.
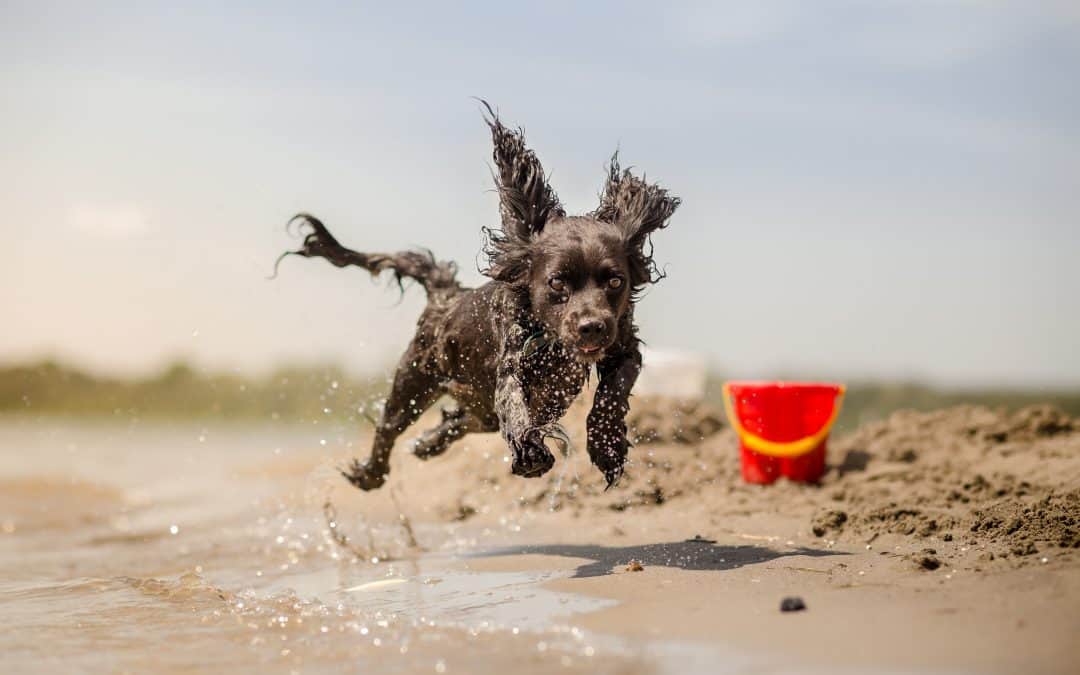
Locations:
{"points": [[867, 402], [181, 392], [301, 394]]}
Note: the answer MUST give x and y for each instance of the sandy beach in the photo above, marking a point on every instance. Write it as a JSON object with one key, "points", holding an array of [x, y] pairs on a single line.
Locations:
{"points": [[253, 249], [937, 542]]}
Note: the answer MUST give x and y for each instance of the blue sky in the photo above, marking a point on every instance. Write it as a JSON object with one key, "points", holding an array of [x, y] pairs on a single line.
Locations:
{"points": [[872, 189]]}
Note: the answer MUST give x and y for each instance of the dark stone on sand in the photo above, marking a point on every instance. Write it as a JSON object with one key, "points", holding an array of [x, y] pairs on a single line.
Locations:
{"points": [[929, 562], [792, 604]]}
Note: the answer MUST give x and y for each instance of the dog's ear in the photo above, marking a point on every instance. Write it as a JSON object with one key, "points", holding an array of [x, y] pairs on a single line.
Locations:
{"points": [[526, 200], [639, 208]]}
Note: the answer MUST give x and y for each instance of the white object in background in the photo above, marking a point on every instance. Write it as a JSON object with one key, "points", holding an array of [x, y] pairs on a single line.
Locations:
{"points": [[673, 374]]}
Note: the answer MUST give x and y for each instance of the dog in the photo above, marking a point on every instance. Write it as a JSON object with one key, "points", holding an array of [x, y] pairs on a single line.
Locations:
{"points": [[514, 353]]}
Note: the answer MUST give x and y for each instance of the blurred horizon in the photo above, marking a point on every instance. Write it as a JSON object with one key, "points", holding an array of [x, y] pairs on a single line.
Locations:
{"points": [[883, 192], [379, 375], [314, 395]]}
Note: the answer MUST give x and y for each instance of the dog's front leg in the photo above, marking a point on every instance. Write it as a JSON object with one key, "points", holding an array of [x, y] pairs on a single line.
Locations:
{"points": [[531, 457], [606, 425]]}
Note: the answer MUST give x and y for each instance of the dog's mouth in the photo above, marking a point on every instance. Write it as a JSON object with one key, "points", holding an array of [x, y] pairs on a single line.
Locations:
{"points": [[589, 353]]}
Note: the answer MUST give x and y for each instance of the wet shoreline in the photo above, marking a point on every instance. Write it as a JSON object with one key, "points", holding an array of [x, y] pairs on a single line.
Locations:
{"points": [[176, 548]]}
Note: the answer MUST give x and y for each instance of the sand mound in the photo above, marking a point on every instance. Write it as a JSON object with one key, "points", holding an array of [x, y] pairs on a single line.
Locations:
{"points": [[657, 420], [1005, 483], [675, 453], [985, 476]]}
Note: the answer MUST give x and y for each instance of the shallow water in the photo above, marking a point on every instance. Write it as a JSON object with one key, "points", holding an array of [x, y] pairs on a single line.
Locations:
{"points": [[169, 548], [127, 547]]}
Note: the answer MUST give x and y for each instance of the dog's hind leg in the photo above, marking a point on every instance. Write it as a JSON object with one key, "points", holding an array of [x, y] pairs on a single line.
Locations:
{"points": [[455, 424], [412, 393]]}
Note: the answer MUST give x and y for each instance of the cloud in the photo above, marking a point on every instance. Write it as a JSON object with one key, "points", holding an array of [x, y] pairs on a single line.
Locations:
{"points": [[117, 220]]}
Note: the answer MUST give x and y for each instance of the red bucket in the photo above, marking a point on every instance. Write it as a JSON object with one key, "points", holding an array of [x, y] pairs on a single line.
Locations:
{"points": [[783, 427]]}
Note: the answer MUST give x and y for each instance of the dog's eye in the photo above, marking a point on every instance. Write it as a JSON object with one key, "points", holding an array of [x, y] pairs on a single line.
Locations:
{"points": [[557, 284], [614, 282]]}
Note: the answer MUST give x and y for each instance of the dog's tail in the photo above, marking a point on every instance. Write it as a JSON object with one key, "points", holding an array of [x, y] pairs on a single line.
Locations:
{"points": [[432, 274]]}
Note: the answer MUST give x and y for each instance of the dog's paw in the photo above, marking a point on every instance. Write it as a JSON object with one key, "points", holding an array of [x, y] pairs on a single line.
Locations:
{"points": [[435, 442], [431, 443], [364, 476], [611, 465], [613, 475], [426, 447], [608, 452], [531, 456]]}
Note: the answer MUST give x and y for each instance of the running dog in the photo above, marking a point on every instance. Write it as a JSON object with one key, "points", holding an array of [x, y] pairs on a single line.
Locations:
{"points": [[515, 352]]}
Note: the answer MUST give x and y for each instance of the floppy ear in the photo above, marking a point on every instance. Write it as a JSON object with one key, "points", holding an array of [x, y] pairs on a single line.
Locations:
{"points": [[639, 208], [526, 201]]}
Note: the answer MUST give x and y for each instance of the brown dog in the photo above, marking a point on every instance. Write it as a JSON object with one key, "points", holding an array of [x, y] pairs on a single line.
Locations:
{"points": [[515, 352]]}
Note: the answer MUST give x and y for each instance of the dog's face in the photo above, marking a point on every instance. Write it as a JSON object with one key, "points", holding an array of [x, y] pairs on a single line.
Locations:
{"points": [[580, 274], [579, 283]]}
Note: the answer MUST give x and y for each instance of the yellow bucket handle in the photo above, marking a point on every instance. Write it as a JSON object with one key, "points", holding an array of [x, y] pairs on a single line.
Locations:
{"points": [[775, 448]]}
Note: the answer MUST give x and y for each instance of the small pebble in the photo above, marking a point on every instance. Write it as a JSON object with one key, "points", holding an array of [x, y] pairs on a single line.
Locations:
{"points": [[792, 604], [634, 566]]}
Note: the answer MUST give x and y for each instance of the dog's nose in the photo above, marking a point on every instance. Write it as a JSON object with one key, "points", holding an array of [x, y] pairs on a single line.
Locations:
{"points": [[591, 329]]}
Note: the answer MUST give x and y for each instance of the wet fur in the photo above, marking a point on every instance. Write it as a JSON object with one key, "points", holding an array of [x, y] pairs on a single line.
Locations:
{"points": [[515, 352]]}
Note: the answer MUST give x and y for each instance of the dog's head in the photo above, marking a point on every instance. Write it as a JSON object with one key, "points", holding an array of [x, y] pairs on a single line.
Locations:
{"points": [[580, 274]]}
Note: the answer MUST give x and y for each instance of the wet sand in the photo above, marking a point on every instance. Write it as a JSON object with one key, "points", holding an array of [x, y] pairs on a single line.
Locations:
{"points": [[135, 547]]}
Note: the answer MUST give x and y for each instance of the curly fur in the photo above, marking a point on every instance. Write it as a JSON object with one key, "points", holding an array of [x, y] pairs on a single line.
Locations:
{"points": [[526, 202], [515, 352], [640, 209]]}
